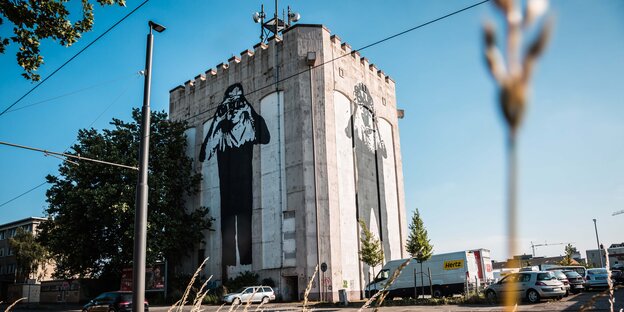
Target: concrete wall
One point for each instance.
(305, 179)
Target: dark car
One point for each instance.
(113, 301)
(563, 279)
(576, 281)
(617, 276)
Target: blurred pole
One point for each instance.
(140, 216)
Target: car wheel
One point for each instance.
(112, 310)
(265, 300)
(437, 293)
(533, 296)
(491, 297)
(236, 301)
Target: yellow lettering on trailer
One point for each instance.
(453, 264)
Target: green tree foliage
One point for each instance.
(370, 252)
(34, 21)
(418, 244)
(569, 255)
(29, 254)
(90, 230)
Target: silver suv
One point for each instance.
(262, 294)
(530, 285)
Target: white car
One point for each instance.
(262, 294)
(595, 278)
(530, 285)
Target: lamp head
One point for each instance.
(257, 17)
(157, 27)
(294, 17)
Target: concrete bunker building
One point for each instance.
(296, 140)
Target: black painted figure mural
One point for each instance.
(369, 153)
(235, 128)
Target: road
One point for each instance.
(571, 303)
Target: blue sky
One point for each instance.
(452, 138)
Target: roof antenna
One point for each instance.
(274, 26)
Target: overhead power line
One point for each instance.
(68, 93)
(73, 57)
(78, 157)
(358, 50)
(20, 195)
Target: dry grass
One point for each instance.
(512, 76)
(307, 291)
(179, 305)
(13, 304)
(384, 292)
(609, 292)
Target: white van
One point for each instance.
(451, 273)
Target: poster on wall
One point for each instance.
(154, 278)
(234, 129)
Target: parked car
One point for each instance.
(595, 278)
(113, 301)
(533, 286)
(617, 276)
(576, 281)
(577, 268)
(563, 279)
(262, 294)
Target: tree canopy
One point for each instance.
(34, 21)
(90, 229)
(418, 243)
(570, 251)
(29, 254)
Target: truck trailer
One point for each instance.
(451, 273)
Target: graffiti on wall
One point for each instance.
(369, 152)
(234, 129)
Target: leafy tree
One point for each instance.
(90, 230)
(570, 251)
(29, 254)
(370, 252)
(418, 243)
(33, 21)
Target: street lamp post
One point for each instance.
(598, 243)
(140, 216)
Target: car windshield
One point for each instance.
(597, 271)
(559, 274)
(545, 276)
(126, 297)
(572, 274)
(241, 290)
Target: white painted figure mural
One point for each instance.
(232, 132)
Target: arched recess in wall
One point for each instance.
(277, 243)
(210, 197)
(346, 190)
(390, 194)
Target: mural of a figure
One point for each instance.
(235, 128)
(369, 147)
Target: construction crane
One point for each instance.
(617, 213)
(545, 244)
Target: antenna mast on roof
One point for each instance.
(275, 26)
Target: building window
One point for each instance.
(10, 268)
(12, 232)
(383, 101)
(9, 251)
(1, 252)
(2, 233)
(341, 72)
(27, 228)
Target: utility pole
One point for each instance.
(598, 243)
(140, 215)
